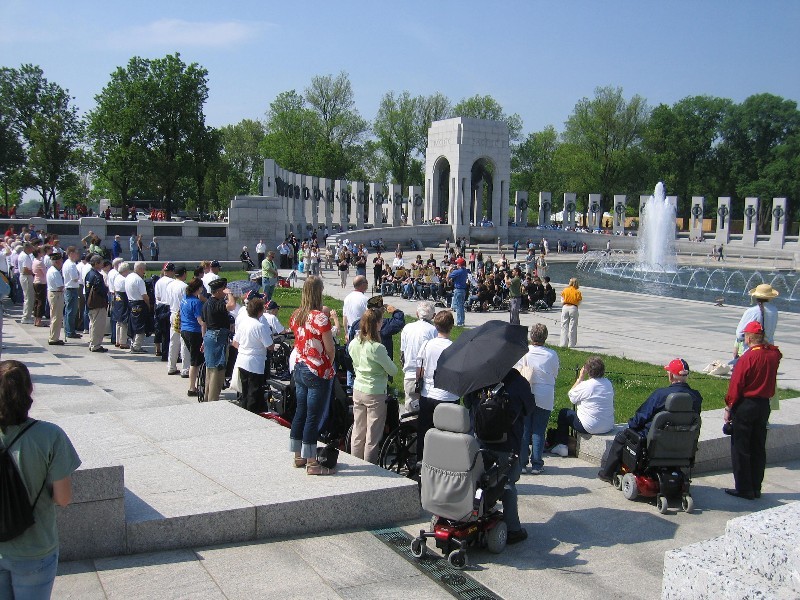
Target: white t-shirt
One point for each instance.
(72, 278)
(397, 262)
(25, 262)
(253, 337)
(594, 403)
(261, 248)
(355, 304)
(413, 336)
(428, 359)
(119, 283)
(111, 278)
(83, 269)
(176, 290)
(544, 363)
(274, 323)
(134, 287)
(55, 282)
(161, 289)
(208, 278)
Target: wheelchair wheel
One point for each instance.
(617, 481)
(662, 504)
(687, 504)
(201, 383)
(497, 537)
(457, 559)
(399, 451)
(418, 547)
(348, 439)
(629, 488)
(280, 359)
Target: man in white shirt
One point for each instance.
(271, 318)
(173, 295)
(413, 337)
(139, 302)
(261, 251)
(355, 303)
(110, 279)
(212, 274)
(120, 298)
(162, 310)
(55, 295)
(593, 397)
(540, 367)
(25, 265)
(72, 285)
(83, 312)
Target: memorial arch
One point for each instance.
(467, 176)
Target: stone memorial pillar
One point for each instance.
(416, 205)
(777, 232)
(595, 212)
(723, 221)
(642, 210)
(545, 204)
(376, 204)
(570, 206)
(299, 221)
(521, 209)
(341, 195)
(315, 197)
(325, 203)
(750, 229)
(696, 218)
(395, 198)
(620, 202)
(271, 173)
(359, 200)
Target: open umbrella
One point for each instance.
(480, 357)
(240, 288)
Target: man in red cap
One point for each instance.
(678, 374)
(752, 384)
(459, 275)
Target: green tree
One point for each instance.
(681, 145)
(12, 161)
(241, 149)
(397, 127)
(48, 126)
(602, 137)
(486, 107)
(435, 107)
(293, 132)
(204, 147)
(534, 167)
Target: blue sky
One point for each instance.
(536, 58)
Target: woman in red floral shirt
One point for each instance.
(313, 341)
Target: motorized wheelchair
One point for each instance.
(653, 466)
(459, 489)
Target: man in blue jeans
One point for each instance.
(459, 275)
(72, 284)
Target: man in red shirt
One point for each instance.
(752, 384)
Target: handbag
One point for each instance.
(328, 455)
(96, 299)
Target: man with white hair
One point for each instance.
(413, 337)
(25, 265)
(119, 309)
(96, 293)
(174, 293)
(110, 279)
(139, 302)
(355, 303)
(72, 285)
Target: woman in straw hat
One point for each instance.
(764, 312)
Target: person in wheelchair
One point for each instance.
(678, 374)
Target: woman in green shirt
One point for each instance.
(269, 275)
(45, 459)
(372, 366)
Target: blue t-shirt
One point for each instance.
(191, 308)
(459, 277)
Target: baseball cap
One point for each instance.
(215, 263)
(753, 327)
(460, 261)
(180, 271)
(218, 284)
(272, 305)
(168, 266)
(252, 295)
(678, 366)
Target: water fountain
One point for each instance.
(657, 233)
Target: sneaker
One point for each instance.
(25, 321)
(99, 349)
(515, 537)
(138, 351)
(601, 475)
(173, 372)
(75, 336)
(560, 450)
(533, 471)
(185, 375)
(57, 343)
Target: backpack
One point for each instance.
(16, 511)
(493, 418)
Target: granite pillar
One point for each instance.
(416, 205)
(723, 235)
(570, 206)
(595, 211)
(620, 201)
(750, 229)
(696, 218)
(359, 202)
(545, 205)
(395, 198)
(777, 232)
(376, 204)
(521, 209)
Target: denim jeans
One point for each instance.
(533, 434)
(215, 343)
(459, 295)
(567, 418)
(312, 395)
(28, 579)
(269, 284)
(70, 310)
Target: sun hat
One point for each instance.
(764, 292)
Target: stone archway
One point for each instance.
(440, 193)
(481, 190)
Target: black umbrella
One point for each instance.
(480, 357)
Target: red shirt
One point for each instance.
(755, 374)
(308, 343)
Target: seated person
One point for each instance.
(520, 403)
(593, 397)
(549, 293)
(677, 373)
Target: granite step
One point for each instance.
(702, 571)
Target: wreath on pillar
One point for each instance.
(570, 207)
(522, 205)
(546, 206)
(317, 194)
(418, 200)
(306, 193)
(361, 196)
(398, 199)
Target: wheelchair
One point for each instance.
(459, 489)
(652, 467)
(399, 449)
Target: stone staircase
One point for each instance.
(758, 557)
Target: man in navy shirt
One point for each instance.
(460, 284)
(678, 372)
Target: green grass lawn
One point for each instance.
(633, 380)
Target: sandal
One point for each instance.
(299, 462)
(315, 468)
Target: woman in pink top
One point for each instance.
(39, 286)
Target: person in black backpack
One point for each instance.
(517, 401)
(37, 458)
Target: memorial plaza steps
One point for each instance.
(757, 557)
(162, 472)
